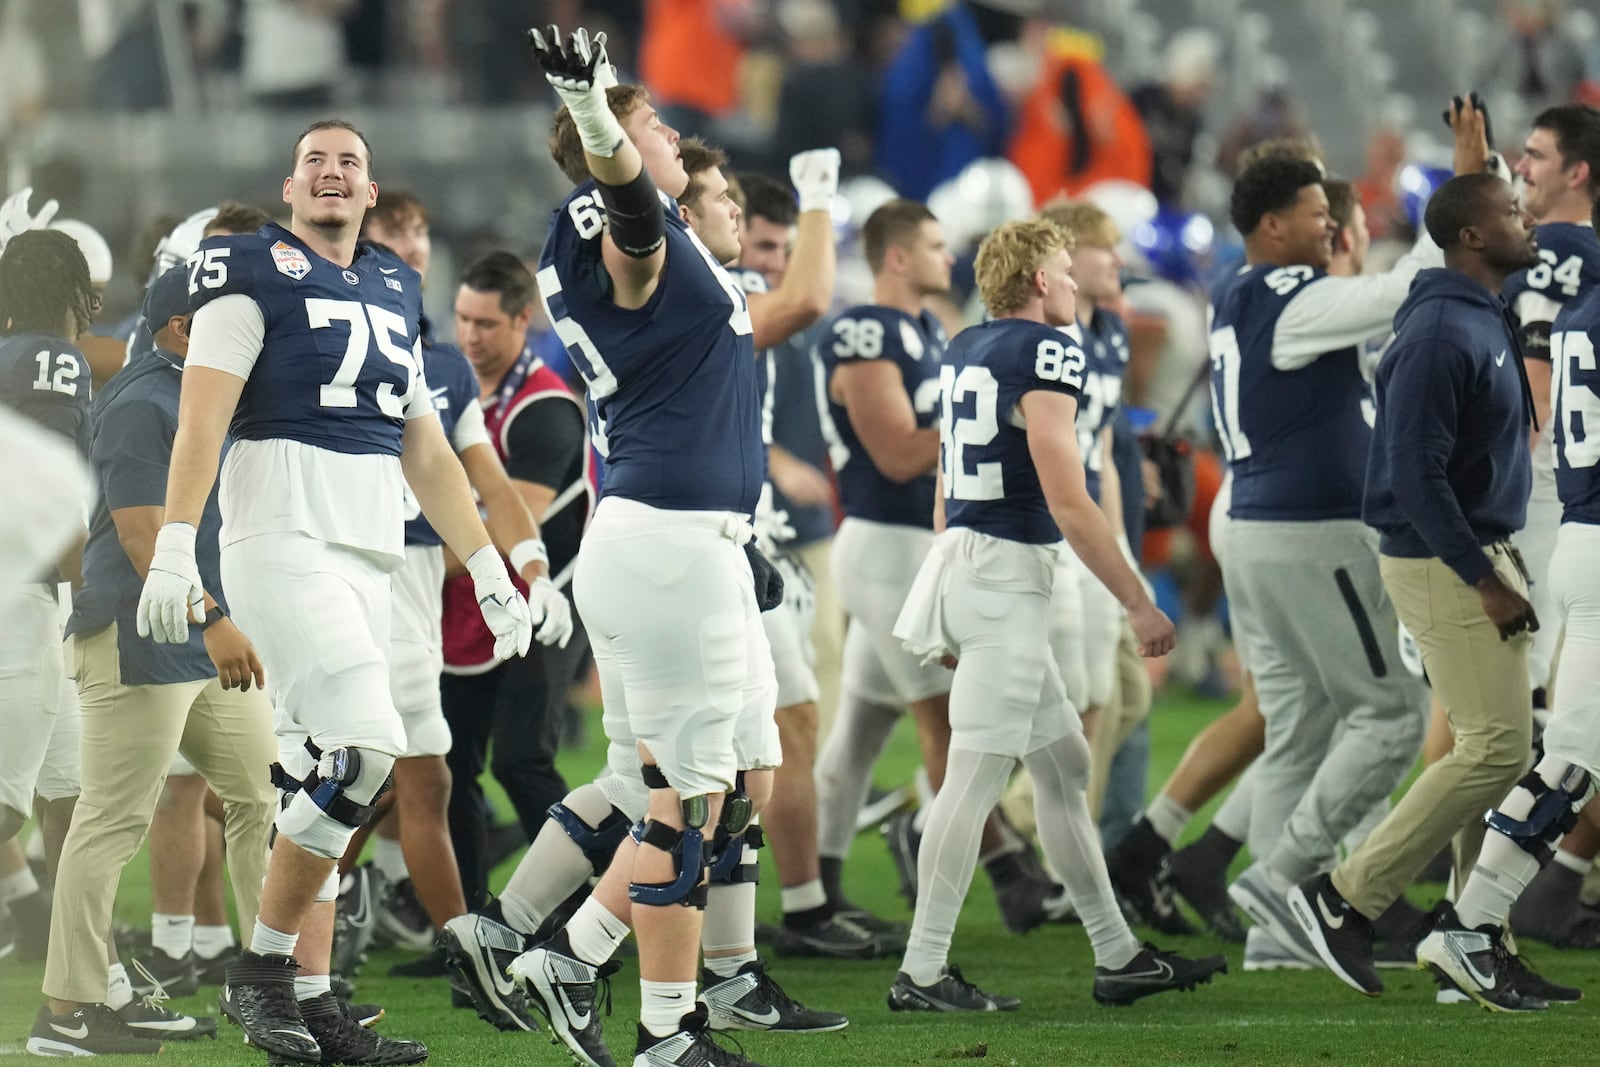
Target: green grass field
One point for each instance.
(1239, 1019)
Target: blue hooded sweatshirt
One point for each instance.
(1448, 471)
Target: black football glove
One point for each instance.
(578, 67)
(768, 582)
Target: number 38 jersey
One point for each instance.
(1575, 416)
(674, 406)
(990, 483)
(1296, 440)
(915, 346)
(329, 355)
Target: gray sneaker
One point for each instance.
(1268, 908)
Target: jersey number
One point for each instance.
(1577, 406)
(986, 482)
(1225, 361)
(1569, 273)
(384, 327)
(861, 338)
(65, 378)
(1056, 362)
(208, 267)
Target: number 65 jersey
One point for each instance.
(990, 482)
(329, 355)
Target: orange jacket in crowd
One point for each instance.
(1077, 127)
(689, 56)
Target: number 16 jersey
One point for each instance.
(329, 356)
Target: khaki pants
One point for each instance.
(827, 632)
(130, 734)
(1129, 706)
(1482, 682)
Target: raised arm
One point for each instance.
(807, 286)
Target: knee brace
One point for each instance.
(337, 797)
(727, 856)
(727, 844)
(599, 843)
(328, 891)
(1554, 812)
(687, 849)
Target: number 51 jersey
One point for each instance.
(990, 482)
(319, 424)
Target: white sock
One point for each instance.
(844, 769)
(803, 897)
(554, 866)
(728, 966)
(1505, 868)
(266, 941)
(1168, 818)
(119, 991)
(595, 933)
(390, 859)
(972, 786)
(311, 986)
(1574, 862)
(18, 884)
(172, 934)
(1060, 773)
(212, 941)
(662, 1005)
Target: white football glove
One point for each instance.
(815, 174)
(15, 219)
(550, 612)
(580, 73)
(504, 610)
(172, 594)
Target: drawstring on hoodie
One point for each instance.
(1515, 331)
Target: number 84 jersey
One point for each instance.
(327, 394)
(990, 482)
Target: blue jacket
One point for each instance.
(1448, 471)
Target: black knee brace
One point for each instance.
(1554, 812)
(687, 849)
(599, 843)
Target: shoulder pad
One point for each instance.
(245, 263)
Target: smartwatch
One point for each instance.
(215, 614)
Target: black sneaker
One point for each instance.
(1203, 885)
(893, 931)
(363, 1015)
(92, 1031)
(1154, 971)
(433, 965)
(901, 835)
(1026, 899)
(568, 992)
(751, 1000)
(480, 949)
(1341, 935)
(343, 1040)
(690, 1046)
(212, 971)
(950, 993)
(402, 921)
(147, 1015)
(830, 936)
(1476, 960)
(175, 976)
(1135, 870)
(258, 997)
(1532, 984)
(881, 803)
(355, 918)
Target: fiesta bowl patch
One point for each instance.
(290, 260)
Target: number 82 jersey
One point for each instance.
(990, 482)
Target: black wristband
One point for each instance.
(635, 216)
(216, 614)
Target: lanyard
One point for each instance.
(514, 380)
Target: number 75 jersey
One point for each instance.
(990, 482)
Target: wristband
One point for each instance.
(526, 552)
(486, 565)
(598, 128)
(176, 537)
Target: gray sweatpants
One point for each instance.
(1345, 720)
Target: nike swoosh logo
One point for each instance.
(362, 913)
(766, 1018)
(78, 1034)
(1484, 981)
(1334, 922)
(1162, 971)
(387, 270)
(1500, 359)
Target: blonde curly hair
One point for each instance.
(1010, 256)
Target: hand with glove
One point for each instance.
(768, 582)
(550, 613)
(815, 174)
(580, 72)
(15, 218)
(504, 611)
(172, 596)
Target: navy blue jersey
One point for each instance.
(1575, 418)
(766, 360)
(990, 483)
(47, 379)
(1296, 440)
(1569, 266)
(673, 398)
(916, 346)
(451, 386)
(338, 361)
(1105, 344)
